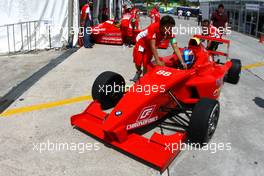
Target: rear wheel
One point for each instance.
(203, 121)
(233, 74)
(108, 89)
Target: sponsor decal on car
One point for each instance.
(144, 117)
(111, 39)
(141, 123)
(113, 34)
(146, 112)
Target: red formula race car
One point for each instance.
(110, 33)
(193, 92)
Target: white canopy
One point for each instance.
(30, 24)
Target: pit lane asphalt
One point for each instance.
(241, 120)
(21, 87)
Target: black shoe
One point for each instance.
(136, 77)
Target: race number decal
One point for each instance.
(163, 73)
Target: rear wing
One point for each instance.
(220, 40)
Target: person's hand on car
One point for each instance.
(160, 63)
(184, 66)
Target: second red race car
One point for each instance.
(109, 32)
(193, 92)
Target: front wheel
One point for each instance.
(203, 121)
(108, 89)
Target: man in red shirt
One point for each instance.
(148, 41)
(86, 22)
(129, 23)
(135, 18)
(134, 10)
(219, 18)
(125, 26)
(154, 14)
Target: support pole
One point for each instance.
(8, 41)
(21, 31)
(14, 38)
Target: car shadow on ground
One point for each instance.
(259, 101)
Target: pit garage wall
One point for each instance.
(54, 17)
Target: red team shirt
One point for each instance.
(142, 51)
(125, 19)
(126, 27)
(126, 24)
(86, 10)
(219, 20)
(134, 12)
(155, 15)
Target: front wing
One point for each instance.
(155, 151)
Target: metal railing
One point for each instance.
(28, 35)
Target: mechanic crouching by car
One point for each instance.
(147, 42)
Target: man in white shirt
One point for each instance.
(188, 14)
(180, 13)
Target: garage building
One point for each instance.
(245, 16)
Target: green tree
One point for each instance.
(165, 2)
(183, 2)
(148, 2)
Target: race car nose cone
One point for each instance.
(118, 113)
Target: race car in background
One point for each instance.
(110, 33)
(193, 92)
